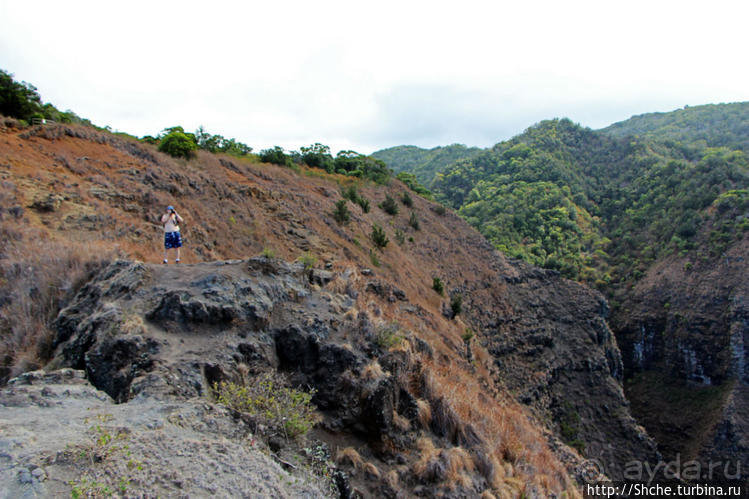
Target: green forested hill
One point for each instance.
(424, 163)
(712, 125)
(596, 206)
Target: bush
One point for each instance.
(440, 210)
(364, 203)
(388, 336)
(389, 206)
(341, 213)
(400, 237)
(282, 409)
(468, 335)
(352, 195)
(438, 286)
(178, 145)
(407, 200)
(378, 236)
(457, 304)
(275, 155)
(308, 260)
(414, 221)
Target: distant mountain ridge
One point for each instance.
(715, 125)
(712, 125)
(425, 163)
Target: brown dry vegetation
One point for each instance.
(86, 196)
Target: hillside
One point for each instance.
(473, 391)
(425, 163)
(658, 223)
(711, 125)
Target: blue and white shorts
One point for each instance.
(172, 240)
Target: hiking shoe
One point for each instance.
(165, 261)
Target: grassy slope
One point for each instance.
(73, 187)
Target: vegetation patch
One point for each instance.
(267, 399)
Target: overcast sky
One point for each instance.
(369, 75)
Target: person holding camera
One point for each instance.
(172, 238)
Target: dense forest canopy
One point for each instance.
(598, 206)
(714, 125)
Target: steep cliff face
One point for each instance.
(167, 332)
(685, 327)
(555, 351)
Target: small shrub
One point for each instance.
(388, 336)
(283, 409)
(468, 335)
(440, 210)
(268, 253)
(341, 213)
(389, 205)
(308, 260)
(438, 286)
(378, 236)
(407, 200)
(456, 304)
(414, 221)
(350, 193)
(400, 237)
(373, 258)
(364, 203)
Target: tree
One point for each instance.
(178, 144)
(318, 156)
(18, 100)
(275, 155)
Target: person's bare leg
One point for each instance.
(177, 255)
(166, 255)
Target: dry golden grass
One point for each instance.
(38, 274)
(502, 432)
(351, 457)
(392, 480)
(373, 371)
(371, 471)
(459, 466)
(424, 413)
(400, 422)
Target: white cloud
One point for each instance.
(372, 75)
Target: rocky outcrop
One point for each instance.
(62, 434)
(165, 333)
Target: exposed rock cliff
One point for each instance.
(685, 329)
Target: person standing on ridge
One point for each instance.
(172, 237)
